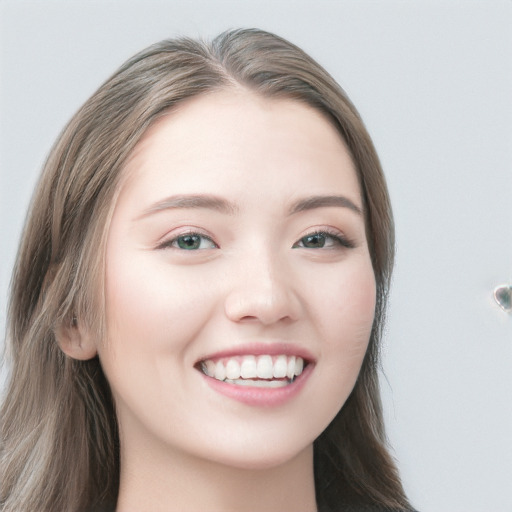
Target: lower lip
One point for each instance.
(261, 397)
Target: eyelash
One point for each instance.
(339, 241)
(174, 241)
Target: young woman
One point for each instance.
(199, 295)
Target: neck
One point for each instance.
(175, 482)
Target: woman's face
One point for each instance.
(237, 250)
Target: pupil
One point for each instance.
(314, 241)
(189, 242)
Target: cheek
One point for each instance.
(358, 310)
(346, 312)
(344, 309)
(153, 313)
(348, 306)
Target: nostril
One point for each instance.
(248, 318)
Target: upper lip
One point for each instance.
(257, 349)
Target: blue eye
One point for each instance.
(322, 240)
(192, 242)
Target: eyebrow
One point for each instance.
(219, 204)
(310, 203)
(191, 201)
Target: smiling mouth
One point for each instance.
(257, 371)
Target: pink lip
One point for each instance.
(259, 349)
(261, 397)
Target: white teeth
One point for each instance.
(299, 365)
(290, 370)
(233, 369)
(209, 368)
(248, 369)
(258, 371)
(280, 367)
(264, 368)
(220, 371)
(259, 383)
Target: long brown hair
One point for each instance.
(59, 440)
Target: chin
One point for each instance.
(259, 455)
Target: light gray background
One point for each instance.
(433, 82)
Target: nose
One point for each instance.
(262, 291)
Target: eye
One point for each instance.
(191, 242)
(323, 240)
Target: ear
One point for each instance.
(76, 341)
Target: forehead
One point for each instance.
(237, 138)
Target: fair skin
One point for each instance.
(238, 235)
